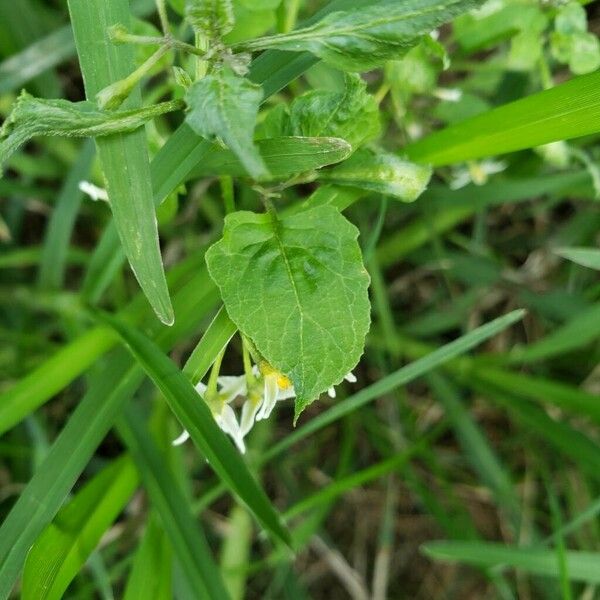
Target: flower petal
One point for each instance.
(270, 397)
(249, 410)
(184, 437)
(331, 392)
(350, 377)
(228, 423)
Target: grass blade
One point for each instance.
(196, 417)
(400, 377)
(566, 111)
(183, 530)
(87, 426)
(150, 575)
(586, 257)
(124, 157)
(58, 233)
(63, 547)
(582, 566)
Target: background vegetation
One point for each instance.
(463, 462)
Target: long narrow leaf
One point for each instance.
(124, 157)
(196, 417)
(563, 112)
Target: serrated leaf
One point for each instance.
(213, 18)
(364, 37)
(297, 287)
(352, 115)
(383, 173)
(33, 117)
(283, 156)
(225, 105)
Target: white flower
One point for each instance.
(267, 387)
(476, 172)
(448, 94)
(229, 389)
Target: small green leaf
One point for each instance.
(364, 37)
(226, 105)
(32, 117)
(352, 115)
(284, 157)
(383, 173)
(296, 286)
(213, 18)
(63, 547)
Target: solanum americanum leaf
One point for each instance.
(364, 37)
(225, 105)
(352, 114)
(296, 286)
(213, 18)
(383, 173)
(284, 157)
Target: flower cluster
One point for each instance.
(260, 390)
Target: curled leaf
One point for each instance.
(32, 117)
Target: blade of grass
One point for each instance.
(168, 500)
(58, 231)
(150, 575)
(582, 566)
(566, 111)
(581, 330)
(196, 418)
(343, 484)
(63, 547)
(64, 366)
(124, 157)
(87, 426)
(586, 257)
(476, 448)
(400, 377)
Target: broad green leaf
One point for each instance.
(283, 156)
(363, 38)
(212, 18)
(225, 105)
(124, 156)
(195, 416)
(566, 111)
(582, 566)
(382, 173)
(586, 257)
(352, 115)
(296, 286)
(63, 547)
(32, 117)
